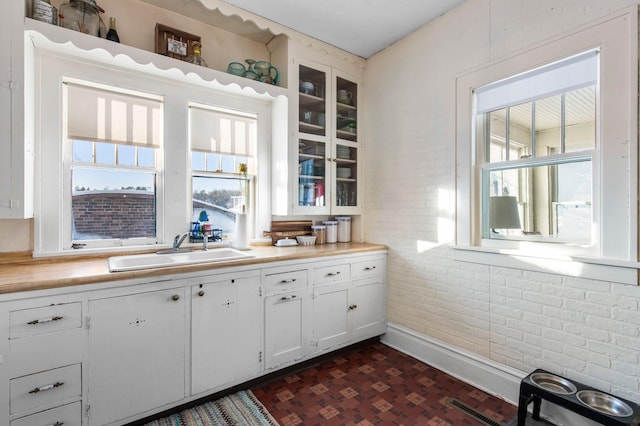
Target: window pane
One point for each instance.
(83, 151)
(213, 162)
(496, 134)
(548, 126)
(105, 153)
(126, 155)
(580, 106)
(197, 161)
(520, 130)
(553, 202)
(146, 157)
(228, 164)
(112, 204)
(220, 198)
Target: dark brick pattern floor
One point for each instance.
(376, 385)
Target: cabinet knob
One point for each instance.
(175, 297)
(201, 293)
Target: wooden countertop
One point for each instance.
(20, 272)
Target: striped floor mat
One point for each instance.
(239, 409)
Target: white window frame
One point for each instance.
(615, 161)
(173, 162)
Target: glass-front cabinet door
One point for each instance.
(346, 139)
(314, 143)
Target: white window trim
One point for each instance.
(174, 176)
(617, 188)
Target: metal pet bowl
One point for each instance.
(604, 403)
(552, 383)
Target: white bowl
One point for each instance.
(306, 240)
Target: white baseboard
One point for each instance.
(491, 377)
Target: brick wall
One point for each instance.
(585, 329)
(115, 214)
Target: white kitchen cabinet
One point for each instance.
(137, 346)
(42, 348)
(348, 302)
(327, 152)
(226, 332)
(127, 350)
(287, 316)
(368, 307)
(369, 302)
(16, 150)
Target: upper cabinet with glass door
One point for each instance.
(327, 160)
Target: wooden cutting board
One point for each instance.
(291, 225)
(288, 229)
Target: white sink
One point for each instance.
(155, 260)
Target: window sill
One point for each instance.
(610, 270)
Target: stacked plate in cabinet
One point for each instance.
(343, 172)
(343, 152)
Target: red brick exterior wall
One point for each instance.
(114, 214)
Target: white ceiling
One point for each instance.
(362, 27)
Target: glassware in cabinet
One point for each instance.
(346, 176)
(346, 100)
(312, 173)
(312, 101)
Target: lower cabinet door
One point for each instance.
(369, 307)
(137, 354)
(287, 328)
(67, 415)
(226, 332)
(331, 312)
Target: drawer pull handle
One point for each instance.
(288, 297)
(369, 268)
(333, 274)
(56, 424)
(44, 320)
(290, 280)
(47, 387)
(352, 307)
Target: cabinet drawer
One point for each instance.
(368, 268)
(45, 352)
(67, 415)
(46, 319)
(332, 274)
(45, 388)
(285, 281)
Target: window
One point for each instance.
(113, 137)
(536, 139)
(546, 153)
(223, 164)
(125, 132)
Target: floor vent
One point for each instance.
(452, 402)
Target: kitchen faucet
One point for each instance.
(178, 240)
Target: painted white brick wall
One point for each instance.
(588, 330)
